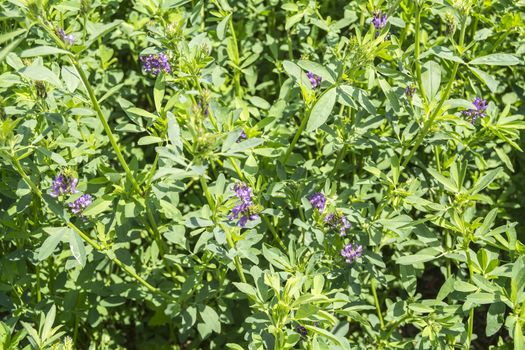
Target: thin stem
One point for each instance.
(274, 232)
(231, 244)
(26, 178)
(236, 73)
(442, 100)
(154, 227)
(340, 157)
(236, 260)
(89, 240)
(376, 301)
(417, 52)
(207, 194)
(298, 133)
(471, 313)
(105, 124)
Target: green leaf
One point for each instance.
(221, 27)
(495, 318)
(176, 235)
(48, 324)
(393, 100)
(431, 78)
(10, 47)
(487, 223)
(174, 132)
(445, 53)
(324, 333)
(485, 180)
(76, 244)
(71, 78)
(317, 69)
(415, 259)
(486, 78)
(98, 206)
(321, 110)
(99, 31)
(449, 185)
(36, 72)
(295, 72)
(57, 158)
(276, 257)
(56, 235)
(44, 51)
(519, 338)
(246, 289)
(497, 59)
(245, 145)
(359, 95)
(158, 91)
(446, 289)
(481, 298)
(11, 35)
(148, 140)
(210, 317)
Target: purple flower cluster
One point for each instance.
(351, 252)
(81, 203)
(318, 201)
(409, 91)
(245, 209)
(379, 21)
(315, 80)
(242, 136)
(301, 330)
(478, 112)
(66, 184)
(156, 63)
(338, 222)
(68, 39)
(63, 184)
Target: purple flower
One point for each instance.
(81, 203)
(245, 209)
(243, 192)
(318, 201)
(68, 39)
(344, 225)
(331, 220)
(315, 80)
(379, 21)
(301, 330)
(409, 91)
(63, 184)
(478, 112)
(351, 253)
(242, 136)
(156, 63)
(338, 222)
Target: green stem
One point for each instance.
(376, 301)
(442, 100)
(471, 313)
(417, 52)
(274, 232)
(298, 133)
(236, 73)
(89, 240)
(340, 157)
(26, 178)
(231, 244)
(154, 227)
(236, 260)
(106, 126)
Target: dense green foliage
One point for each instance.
(182, 174)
